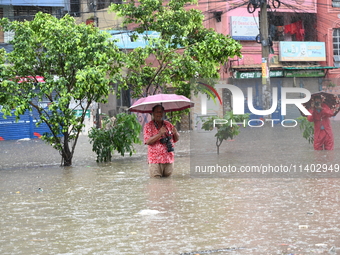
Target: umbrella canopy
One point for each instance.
(170, 102)
(332, 100)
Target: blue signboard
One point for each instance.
(125, 39)
(302, 51)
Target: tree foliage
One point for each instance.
(2, 90)
(184, 51)
(119, 134)
(226, 127)
(307, 128)
(75, 61)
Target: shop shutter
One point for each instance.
(10, 129)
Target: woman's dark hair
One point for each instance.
(153, 108)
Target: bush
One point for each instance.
(118, 134)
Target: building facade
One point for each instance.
(328, 31)
(305, 47)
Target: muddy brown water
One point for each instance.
(115, 208)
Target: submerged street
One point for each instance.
(115, 208)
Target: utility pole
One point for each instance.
(265, 45)
(98, 119)
(95, 13)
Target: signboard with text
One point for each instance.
(78, 113)
(125, 40)
(304, 73)
(302, 51)
(254, 75)
(244, 28)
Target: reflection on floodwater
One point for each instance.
(115, 208)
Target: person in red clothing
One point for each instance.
(323, 134)
(160, 135)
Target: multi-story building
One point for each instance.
(25, 10)
(84, 11)
(305, 51)
(328, 31)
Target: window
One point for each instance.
(336, 47)
(335, 3)
(280, 22)
(101, 4)
(22, 13)
(75, 8)
(276, 27)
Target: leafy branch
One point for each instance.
(307, 128)
(227, 128)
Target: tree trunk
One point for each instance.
(218, 144)
(67, 155)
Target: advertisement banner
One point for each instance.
(302, 51)
(125, 39)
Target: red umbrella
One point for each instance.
(332, 100)
(170, 102)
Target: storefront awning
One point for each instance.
(308, 67)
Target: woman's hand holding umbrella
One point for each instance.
(175, 133)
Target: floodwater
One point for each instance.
(115, 208)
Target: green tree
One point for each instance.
(119, 134)
(184, 52)
(75, 61)
(2, 62)
(226, 127)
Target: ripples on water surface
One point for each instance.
(116, 208)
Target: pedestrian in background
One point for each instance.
(323, 134)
